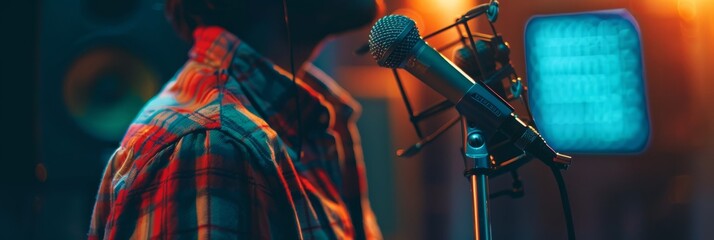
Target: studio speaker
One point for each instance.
(99, 62)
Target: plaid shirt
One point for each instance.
(212, 156)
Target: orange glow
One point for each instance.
(662, 7)
(698, 27)
(687, 10)
(440, 13)
(446, 7)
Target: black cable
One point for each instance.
(565, 202)
(524, 100)
(298, 111)
(564, 199)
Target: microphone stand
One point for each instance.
(478, 166)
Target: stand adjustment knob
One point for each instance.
(476, 140)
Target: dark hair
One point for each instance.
(187, 15)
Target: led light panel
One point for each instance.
(586, 83)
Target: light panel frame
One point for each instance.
(586, 82)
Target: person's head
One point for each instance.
(308, 18)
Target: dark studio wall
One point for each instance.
(18, 151)
(87, 68)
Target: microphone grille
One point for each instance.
(391, 40)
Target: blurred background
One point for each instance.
(75, 73)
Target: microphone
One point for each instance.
(394, 42)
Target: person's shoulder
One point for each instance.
(215, 150)
(160, 127)
(196, 100)
(211, 143)
(187, 103)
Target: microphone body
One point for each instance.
(472, 99)
(395, 43)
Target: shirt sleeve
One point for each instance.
(206, 185)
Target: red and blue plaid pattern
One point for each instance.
(211, 156)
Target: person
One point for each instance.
(232, 147)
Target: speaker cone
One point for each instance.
(105, 88)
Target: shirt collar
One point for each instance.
(268, 89)
(213, 46)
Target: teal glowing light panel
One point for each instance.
(586, 81)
